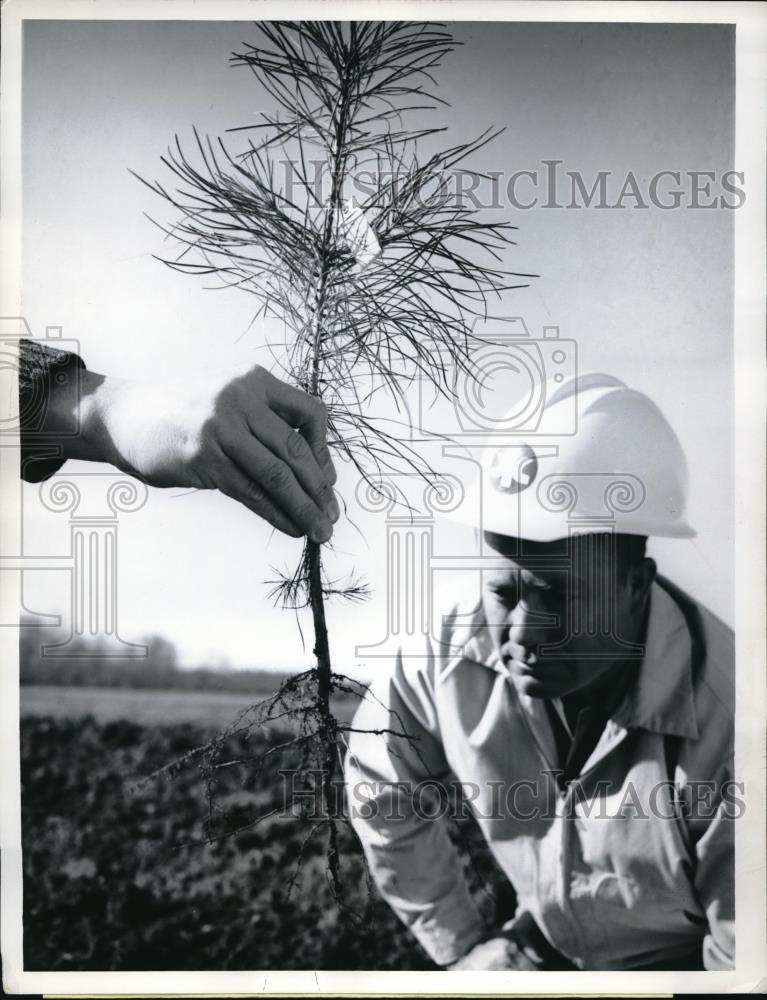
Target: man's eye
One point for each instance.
(505, 594)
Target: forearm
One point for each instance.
(414, 864)
(249, 435)
(68, 411)
(60, 411)
(77, 417)
(413, 861)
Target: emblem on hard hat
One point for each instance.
(513, 469)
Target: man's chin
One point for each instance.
(535, 688)
(538, 683)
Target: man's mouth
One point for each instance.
(528, 663)
(536, 668)
(517, 654)
(532, 665)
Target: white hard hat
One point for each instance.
(621, 468)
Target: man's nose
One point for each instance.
(527, 622)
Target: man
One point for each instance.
(585, 707)
(251, 436)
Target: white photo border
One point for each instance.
(750, 21)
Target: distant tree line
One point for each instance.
(87, 665)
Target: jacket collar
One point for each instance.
(660, 697)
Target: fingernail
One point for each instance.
(334, 511)
(322, 531)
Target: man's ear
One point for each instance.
(641, 576)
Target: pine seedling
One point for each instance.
(336, 222)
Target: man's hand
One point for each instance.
(250, 436)
(494, 954)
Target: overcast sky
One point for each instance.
(645, 293)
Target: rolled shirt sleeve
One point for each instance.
(40, 368)
(417, 868)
